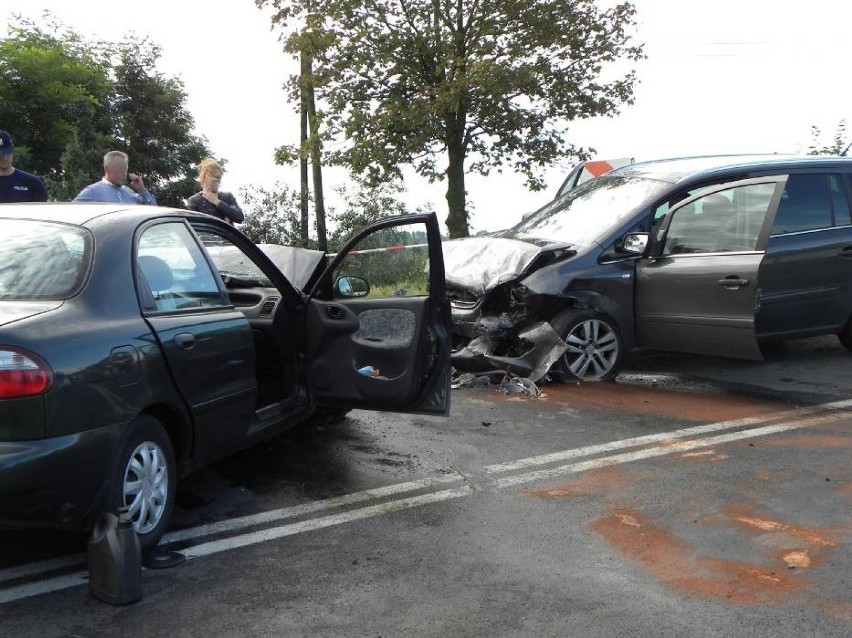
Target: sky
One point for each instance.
(727, 76)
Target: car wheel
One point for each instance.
(845, 337)
(594, 344)
(144, 480)
(330, 416)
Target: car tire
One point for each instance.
(845, 336)
(595, 346)
(330, 416)
(144, 480)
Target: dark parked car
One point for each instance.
(138, 344)
(705, 255)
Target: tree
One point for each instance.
(54, 100)
(272, 216)
(839, 146)
(362, 205)
(68, 101)
(466, 85)
(305, 41)
(152, 124)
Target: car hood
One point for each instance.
(11, 311)
(297, 264)
(482, 263)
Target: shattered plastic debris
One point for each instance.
(512, 384)
(469, 380)
(545, 348)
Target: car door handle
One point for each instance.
(335, 312)
(184, 340)
(733, 282)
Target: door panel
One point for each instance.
(806, 278)
(702, 304)
(207, 344)
(700, 291)
(387, 349)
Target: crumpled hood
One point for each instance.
(297, 264)
(11, 311)
(484, 262)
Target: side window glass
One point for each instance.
(724, 221)
(663, 209)
(234, 267)
(393, 262)
(839, 200)
(804, 205)
(174, 273)
(389, 263)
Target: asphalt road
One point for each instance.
(691, 497)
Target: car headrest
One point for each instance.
(157, 273)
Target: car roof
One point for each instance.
(675, 169)
(81, 213)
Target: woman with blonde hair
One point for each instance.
(211, 200)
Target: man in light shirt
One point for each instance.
(117, 186)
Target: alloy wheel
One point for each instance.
(593, 349)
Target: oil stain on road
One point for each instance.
(704, 404)
(783, 557)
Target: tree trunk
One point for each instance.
(456, 204)
(316, 162)
(304, 228)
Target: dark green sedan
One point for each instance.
(138, 344)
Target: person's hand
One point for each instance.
(135, 182)
(210, 196)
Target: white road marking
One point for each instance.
(660, 450)
(308, 508)
(214, 547)
(663, 436)
(43, 587)
(666, 443)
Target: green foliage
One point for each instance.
(153, 126)
(272, 216)
(67, 101)
(839, 146)
(364, 205)
(452, 86)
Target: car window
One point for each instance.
(724, 221)
(174, 271)
(805, 204)
(42, 260)
(393, 262)
(839, 200)
(233, 265)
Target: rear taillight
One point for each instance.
(23, 374)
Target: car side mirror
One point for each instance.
(635, 243)
(351, 286)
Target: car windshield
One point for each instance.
(41, 260)
(588, 210)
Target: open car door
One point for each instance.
(378, 320)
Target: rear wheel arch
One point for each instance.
(845, 335)
(143, 478)
(179, 429)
